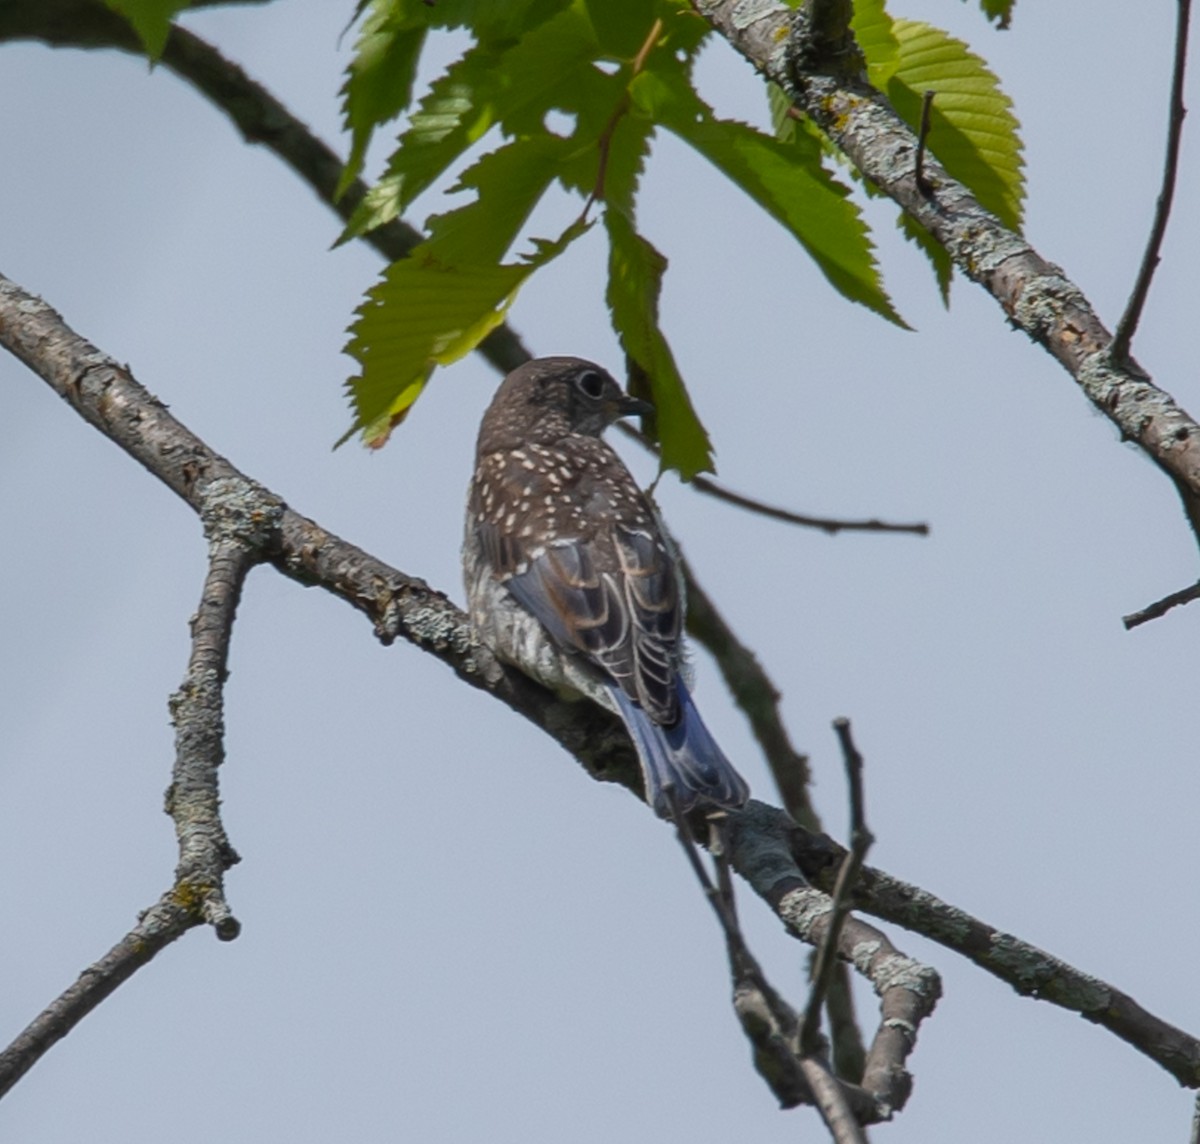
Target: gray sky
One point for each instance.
(450, 933)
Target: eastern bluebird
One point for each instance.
(570, 579)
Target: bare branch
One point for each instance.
(160, 925)
(830, 1099)
(1162, 607)
(831, 525)
(237, 518)
(846, 1040)
(1128, 324)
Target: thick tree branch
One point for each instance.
(1036, 296)
(777, 857)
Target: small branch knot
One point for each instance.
(235, 510)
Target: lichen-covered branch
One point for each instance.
(239, 519)
(1036, 296)
(762, 841)
(237, 516)
(764, 855)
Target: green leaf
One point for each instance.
(786, 180)
(621, 25)
(635, 271)
(151, 20)
(508, 183)
(487, 19)
(973, 131)
(939, 258)
(423, 313)
(872, 27)
(379, 80)
(999, 10)
(488, 85)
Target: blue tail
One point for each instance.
(684, 758)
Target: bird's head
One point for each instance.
(549, 398)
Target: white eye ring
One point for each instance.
(590, 384)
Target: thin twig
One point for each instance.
(860, 843)
(604, 142)
(718, 847)
(1161, 607)
(830, 1098)
(846, 1040)
(923, 183)
(722, 907)
(1128, 324)
(164, 922)
(830, 525)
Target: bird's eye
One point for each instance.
(590, 384)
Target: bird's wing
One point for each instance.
(610, 594)
(618, 607)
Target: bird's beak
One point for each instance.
(627, 406)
